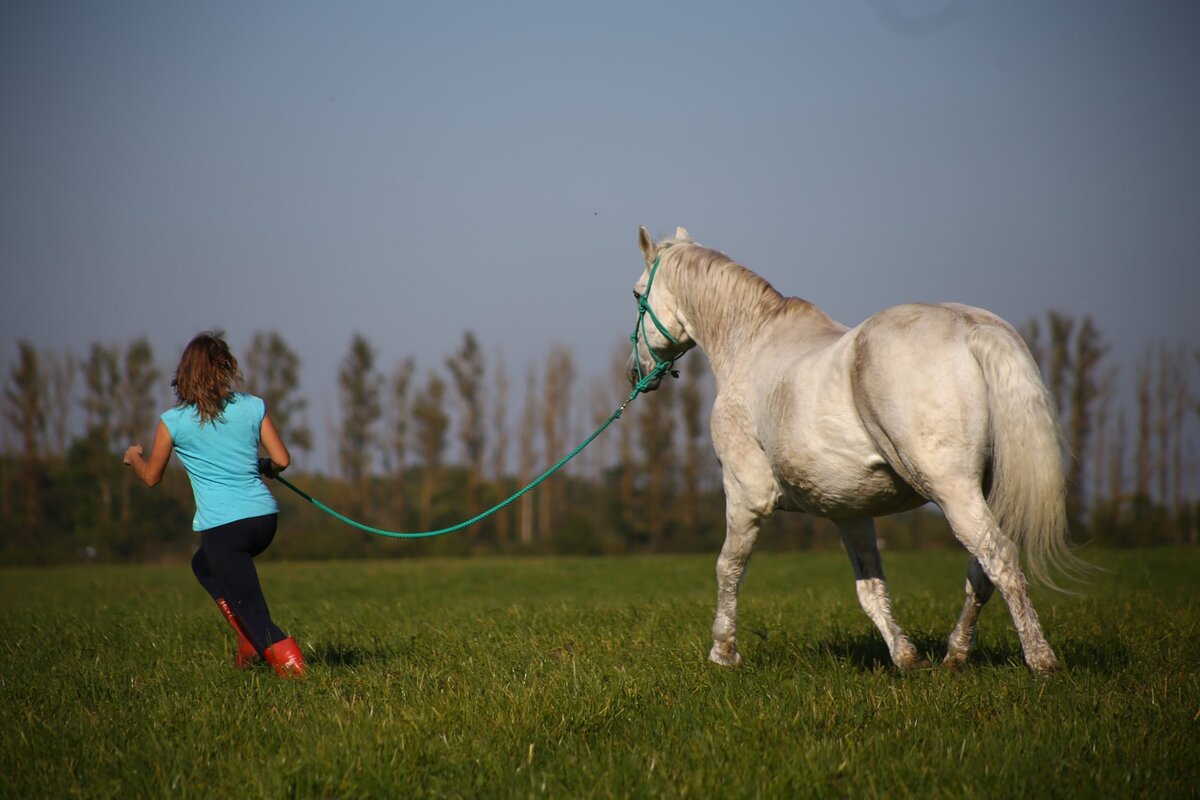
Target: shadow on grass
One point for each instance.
(338, 654)
(866, 652)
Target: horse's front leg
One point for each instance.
(858, 535)
(741, 530)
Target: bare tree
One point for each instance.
(1143, 453)
(500, 444)
(656, 434)
(273, 373)
(560, 374)
(626, 466)
(61, 370)
(1105, 394)
(6, 503)
(601, 405)
(1089, 350)
(467, 370)
(101, 379)
(1116, 461)
(432, 421)
(401, 386)
(527, 455)
(23, 411)
(1180, 400)
(135, 408)
(359, 386)
(1060, 358)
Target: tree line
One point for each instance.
(422, 448)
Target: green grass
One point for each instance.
(588, 678)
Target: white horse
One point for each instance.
(940, 403)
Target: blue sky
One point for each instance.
(408, 171)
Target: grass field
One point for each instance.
(588, 678)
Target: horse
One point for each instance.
(919, 403)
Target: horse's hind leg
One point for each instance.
(979, 590)
(973, 524)
(858, 535)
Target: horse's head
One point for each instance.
(660, 335)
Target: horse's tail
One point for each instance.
(1028, 489)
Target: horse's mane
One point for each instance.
(721, 282)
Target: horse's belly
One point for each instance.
(845, 488)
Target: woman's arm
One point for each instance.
(277, 452)
(151, 470)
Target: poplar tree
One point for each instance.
(466, 368)
(1142, 459)
(101, 381)
(1089, 350)
(61, 370)
(500, 442)
(401, 386)
(527, 455)
(626, 468)
(1060, 358)
(1116, 460)
(24, 394)
(431, 421)
(1180, 401)
(359, 385)
(1105, 394)
(656, 435)
(556, 406)
(135, 411)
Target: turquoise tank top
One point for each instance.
(221, 459)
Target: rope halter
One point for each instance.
(661, 365)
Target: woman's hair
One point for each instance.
(206, 375)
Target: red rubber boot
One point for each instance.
(285, 657)
(245, 651)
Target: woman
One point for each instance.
(217, 433)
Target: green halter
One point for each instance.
(661, 365)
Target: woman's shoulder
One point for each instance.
(249, 403)
(177, 412)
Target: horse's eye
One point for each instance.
(637, 295)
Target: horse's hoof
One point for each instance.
(1045, 669)
(954, 663)
(1043, 662)
(725, 657)
(908, 659)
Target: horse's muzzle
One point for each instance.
(634, 374)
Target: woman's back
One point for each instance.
(221, 458)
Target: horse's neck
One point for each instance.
(727, 326)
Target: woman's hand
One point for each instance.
(134, 451)
(151, 471)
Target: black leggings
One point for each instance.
(224, 565)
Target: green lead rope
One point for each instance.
(661, 367)
(484, 515)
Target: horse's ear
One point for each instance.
(649, 249)
(681, 233)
